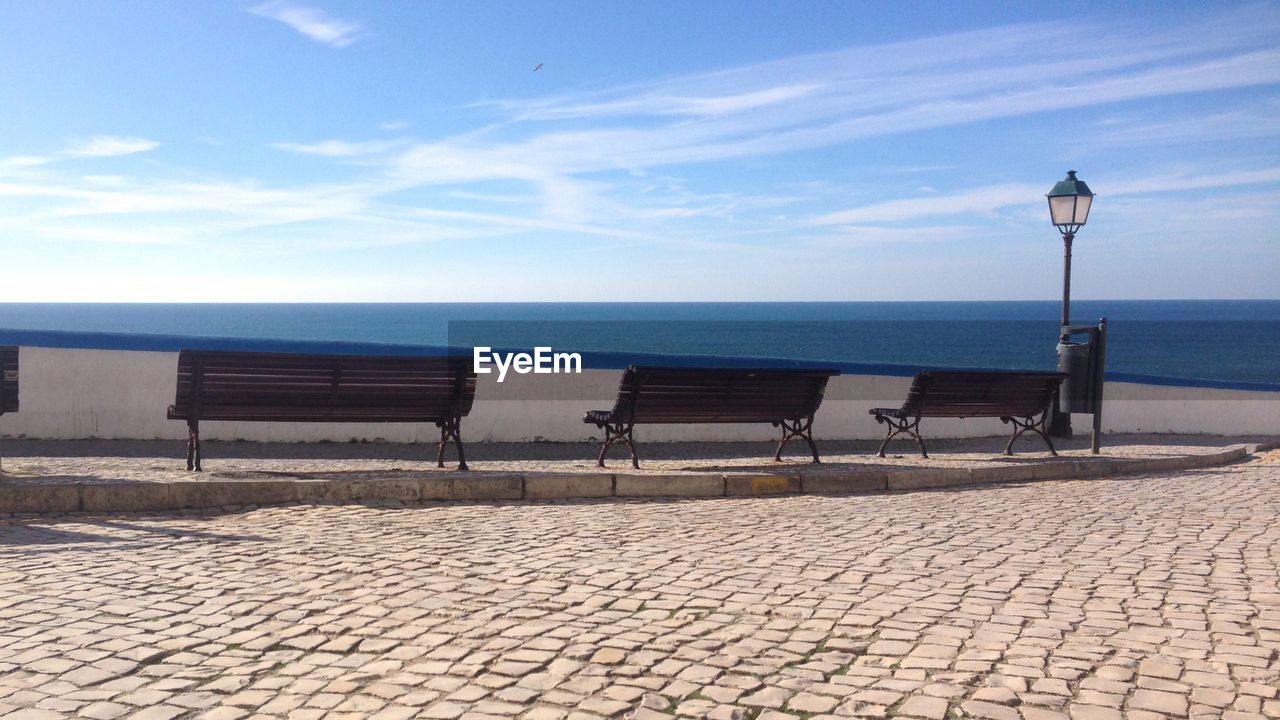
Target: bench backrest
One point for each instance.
(224, 385)
(678, 395)
(8, 379)
(981, 393)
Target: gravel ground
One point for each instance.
(27, 460)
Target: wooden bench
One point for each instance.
(288, 387)
(8, 379)
(782, 397)
(1015, 397)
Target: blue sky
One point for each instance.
(336, 151)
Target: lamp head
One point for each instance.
(1069, 203)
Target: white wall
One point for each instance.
(68, 394)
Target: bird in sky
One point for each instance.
(539, 67)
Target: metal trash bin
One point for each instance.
(1079, 390)
(1084, 364)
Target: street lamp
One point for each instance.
(1069, 203)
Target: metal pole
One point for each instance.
(1100, 347)
(1060, 422)
(1066, 281)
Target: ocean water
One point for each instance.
(1234, 340)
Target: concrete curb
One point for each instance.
(108, 497)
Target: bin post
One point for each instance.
(1059, 421)
(1099, 357)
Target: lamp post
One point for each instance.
(1069, 203)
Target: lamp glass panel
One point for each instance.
(1062, 209)
(1082, 209)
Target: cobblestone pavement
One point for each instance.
(1139, 597)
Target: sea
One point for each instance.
(1217, 340)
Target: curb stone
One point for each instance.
(857, 482)
(551, 487)
(18, 499)
(763, 484)
(684, 485)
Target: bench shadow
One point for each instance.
(49, 535)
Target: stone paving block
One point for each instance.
(222, 493)
(125, 497)
(770, 484)
(1095, 467)
(1157, 465)
(919, 479)
(543, 486)
(17, 497)
(1006, 473)
(1157, 701)
(463, 487)
(689, 485)
(831, 483)
(1217, 457)
(374, 490)
(308, 490)
(1051, 468)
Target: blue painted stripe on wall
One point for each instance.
(595, 360)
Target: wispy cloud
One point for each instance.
(342, 148)
(981, 201)
(1237, 124)
(587, 163)
(110, 146)
(22, 161)
(853, 237)
(987, 200)
(315, 24)
(846, 96)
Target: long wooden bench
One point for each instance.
(288, 387)
(1015, 397)
(782, 397)
(8, 379)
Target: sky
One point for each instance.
(451, 151)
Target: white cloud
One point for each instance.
(110, 146)
(1167, 182)
(18, 161)
(1253, 122)
(980, 200)
(315, 24)
(986, 200)
(857, 236)
(341, 148)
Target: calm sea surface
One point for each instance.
(1210, 339)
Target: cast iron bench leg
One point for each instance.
(613, 432)
(801, 429)
(451, 429)
(897, 426)
(193, 445)
(1025, 425)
